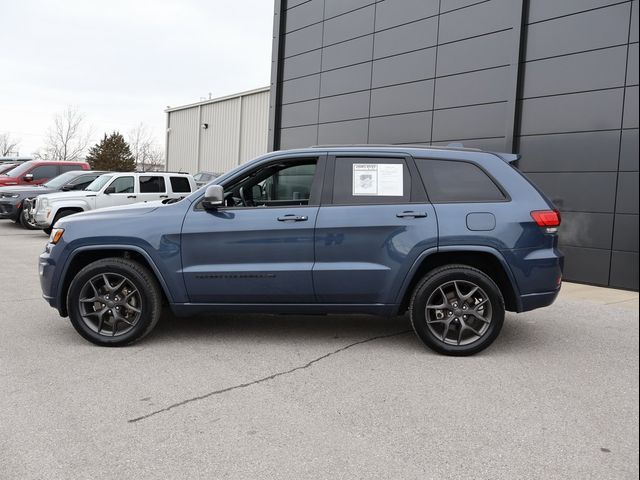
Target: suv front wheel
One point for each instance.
(457, 310)
(114, 302)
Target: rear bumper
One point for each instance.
(538, 300)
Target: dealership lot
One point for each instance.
(296, 397)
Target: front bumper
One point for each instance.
(46, 271)
(9, 209)
(41, 218)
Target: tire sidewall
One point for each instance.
(445, 275)
(24, 222)
(147, 316)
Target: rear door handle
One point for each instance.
(293, 218)
(164, 196)
(408, 214)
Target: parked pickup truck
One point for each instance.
(15, 202)
(112, 190)
(35, 172)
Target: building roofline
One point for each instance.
(219, 99)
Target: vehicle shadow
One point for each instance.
(516, 336)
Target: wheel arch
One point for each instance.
(485, 259)
(83, 256)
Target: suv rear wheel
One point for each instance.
(114, 302)
(457, 310)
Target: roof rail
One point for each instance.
(451, 146)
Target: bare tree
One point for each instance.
(145, 150)
(8, 145)
(68, 138)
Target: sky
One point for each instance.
(122, 62)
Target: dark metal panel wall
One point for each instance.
(397, 71)
(557, 81)
(579, 130)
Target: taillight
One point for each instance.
(550, 219)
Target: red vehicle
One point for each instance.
(35, 172)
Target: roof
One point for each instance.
(457, 147)
(219, 99)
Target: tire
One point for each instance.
(467, 321)
(24, 221)
(114, 317)
(59, 215)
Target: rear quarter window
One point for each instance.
(180, 185)
(449, 181)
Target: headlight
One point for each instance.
(42, 202)
(56, 235)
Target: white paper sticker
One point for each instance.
(378, 179)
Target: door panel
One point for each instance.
(125, 193)
(363, 252)
(373, 224)
(249, 255)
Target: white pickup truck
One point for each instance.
(111, 190)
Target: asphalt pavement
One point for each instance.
(302, 397)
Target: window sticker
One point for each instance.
(378, 179)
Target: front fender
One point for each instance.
(169, 290)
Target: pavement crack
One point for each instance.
(265, 379)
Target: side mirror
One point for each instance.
(110, 190)
(213, 197)
(28, 177)
(66, 188)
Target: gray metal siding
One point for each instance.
(556, 81)
(237, 132)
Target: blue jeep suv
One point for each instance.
(453, 236)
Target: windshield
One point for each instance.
(19, 170)
(6, 168)
(60, 180)
(98, 183)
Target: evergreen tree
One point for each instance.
(113, 154)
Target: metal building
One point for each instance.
(556, 81)
(218, 134)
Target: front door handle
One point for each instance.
(293, 218)
(408, 214)
(131, 196)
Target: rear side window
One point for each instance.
(360, 180)
(152, 184)
(70, 168)
(453, 181)
(180, 185)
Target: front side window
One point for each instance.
(449, 181)
(371, 180)
(122, 185)
(152, 184)
(44, 172)
(274, 185)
